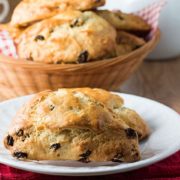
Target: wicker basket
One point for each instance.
(20, 77)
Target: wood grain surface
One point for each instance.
(158, 80)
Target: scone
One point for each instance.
(30, 11)
(69, 124)
(125, 22)
(127, 42)
(70, 37)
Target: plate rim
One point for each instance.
(93, 172)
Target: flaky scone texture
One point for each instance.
(30, 11)
(74, 124)
(70, 37)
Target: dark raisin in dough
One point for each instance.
(74, 23)
(51, 107)
(85, 156)
(20, 155)
(131, 133)
(83, 57)
(56, 146)
(20, 133)
(39, 38)
(10, 140)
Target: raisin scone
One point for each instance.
(127, 42)
(123, 21)
(70, 37)
(30, 11)
(71, 125)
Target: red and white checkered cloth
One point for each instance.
(150, 14)
(7, 46)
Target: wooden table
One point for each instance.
(158, 80)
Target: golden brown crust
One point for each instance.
(74, 124)
(124, 22)
(70, 37)
(30, 11)
(127, 42)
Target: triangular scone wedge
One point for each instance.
(70, 125)
(127, 43)
(125, 22)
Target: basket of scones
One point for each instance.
(65, 43)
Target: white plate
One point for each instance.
(163, 141)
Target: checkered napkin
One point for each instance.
(150, 14)
(7, 46)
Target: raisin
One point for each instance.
(10, 140)
(51, 107)
(56, 146)
(118, 158)
(76, 23)
(83, 57)
(20, 155)
(84, 156)
(39, 38)
(20, 133)
(131, 133)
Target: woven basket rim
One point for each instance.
(86, 66)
